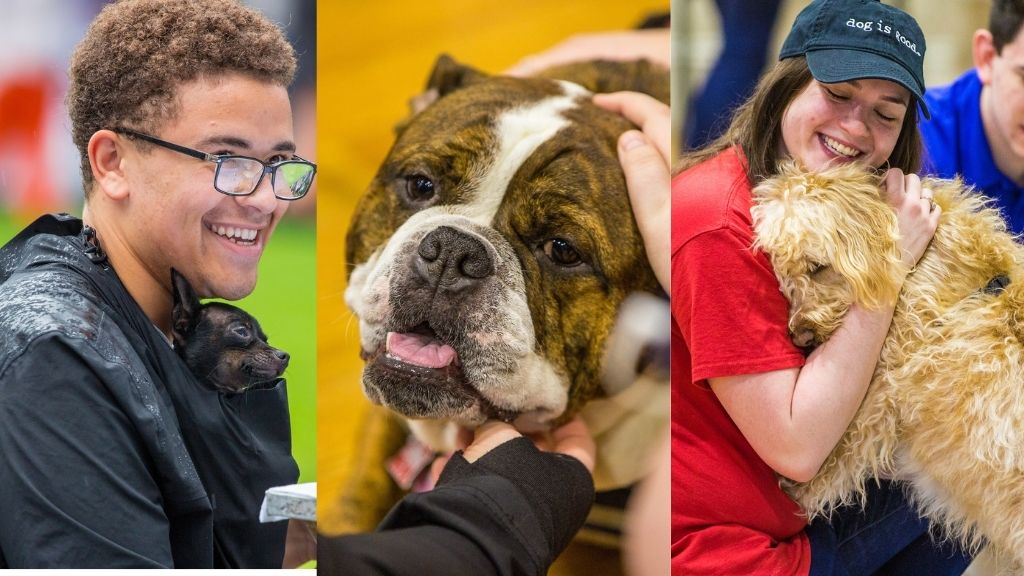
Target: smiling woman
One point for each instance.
(859, 120)
(748, 405)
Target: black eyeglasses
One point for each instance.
(240, 175)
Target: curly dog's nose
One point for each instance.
(452, 260)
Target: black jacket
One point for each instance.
(113, 454)
(511, 512)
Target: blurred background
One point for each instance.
(39, 173)
(372, 61)
(698, 42)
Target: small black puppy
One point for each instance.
(222, 345)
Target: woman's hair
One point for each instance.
(757, 125)
(135, 55)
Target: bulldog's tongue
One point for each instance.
(420, 350)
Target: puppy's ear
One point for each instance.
(186, 307)
(446, 77)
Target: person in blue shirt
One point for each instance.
(976, 128)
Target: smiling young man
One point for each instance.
(977, 124)
(114, 455)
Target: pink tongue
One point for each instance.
(420, 350)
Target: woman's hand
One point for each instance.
(916, 213)
(644, 156)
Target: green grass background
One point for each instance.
(284, 302)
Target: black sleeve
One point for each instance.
(509, 513)
(76, 490)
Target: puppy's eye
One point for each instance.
(242, 332)
(562, 252)
(419, 189)
(815, 268)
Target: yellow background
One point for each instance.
(372, 57)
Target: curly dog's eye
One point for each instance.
(815, 268)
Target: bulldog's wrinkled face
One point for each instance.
(490, 254)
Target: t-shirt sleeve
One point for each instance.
(76, 487)
(729, 308)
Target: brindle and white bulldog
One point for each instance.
(492, 250)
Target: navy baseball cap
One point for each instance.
(847, 40)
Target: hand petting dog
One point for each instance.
(644, 156)
(944, 405)
(917, 215)
(572, 439)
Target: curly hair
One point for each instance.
(136, 53)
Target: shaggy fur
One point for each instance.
(945, 407)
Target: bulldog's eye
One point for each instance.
(419, 188)
(562, 252)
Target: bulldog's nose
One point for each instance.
(452, 260)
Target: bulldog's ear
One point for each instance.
(449, 75)
(186, 308)
(446, 77)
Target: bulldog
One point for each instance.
(491, 252)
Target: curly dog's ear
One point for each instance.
(865, 252)
(834, 218)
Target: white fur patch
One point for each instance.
(520, 132)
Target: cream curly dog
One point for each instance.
(945, 407)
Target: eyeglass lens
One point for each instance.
(240, 176)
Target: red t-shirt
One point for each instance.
(729, 515)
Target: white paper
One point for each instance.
(295, 501)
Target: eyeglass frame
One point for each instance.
(218, 159)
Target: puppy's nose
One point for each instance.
(281, 355)
(452, 260)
